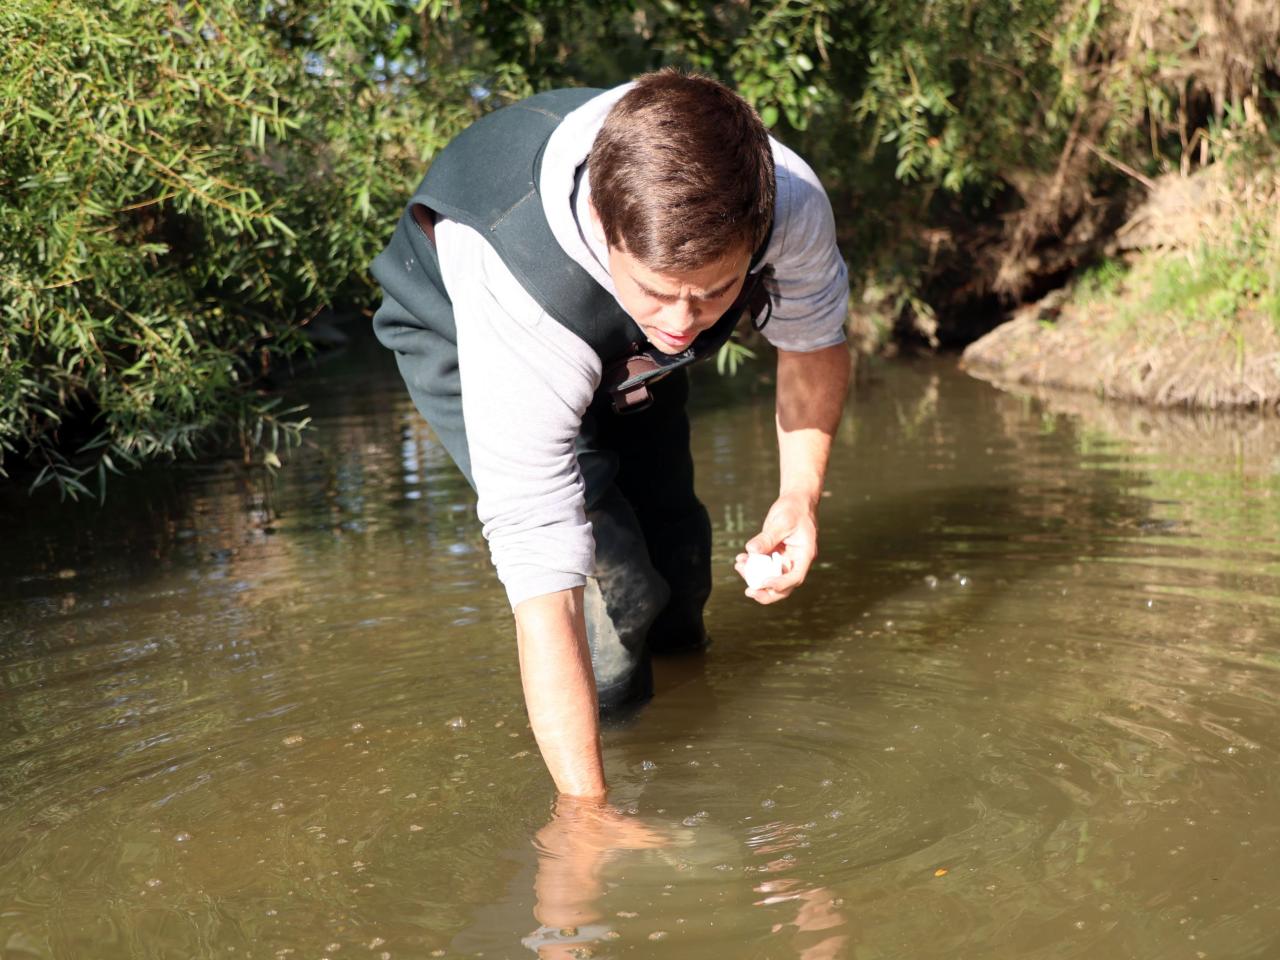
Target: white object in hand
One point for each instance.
(760, 567)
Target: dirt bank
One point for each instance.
(1156, 363)
(1183, 312)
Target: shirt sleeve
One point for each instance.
(811, 290)
(526, 383)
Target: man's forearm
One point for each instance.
(811, 394)
(560, 690)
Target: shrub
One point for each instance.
(182, 185)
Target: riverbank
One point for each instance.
(1184, 311)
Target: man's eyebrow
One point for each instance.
(723, 288)
(705, 295)
(655, 293)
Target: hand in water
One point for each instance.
(573, 848)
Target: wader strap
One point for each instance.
(627, 380)
(425, 218)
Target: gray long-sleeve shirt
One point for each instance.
(527, 381)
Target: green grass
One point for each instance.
(1101, 281)
(1212, 286)
(1211, 289)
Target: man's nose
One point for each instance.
(683, 314)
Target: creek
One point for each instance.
(1027, 705)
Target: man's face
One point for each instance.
(673, 308)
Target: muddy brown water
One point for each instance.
(1027, 706)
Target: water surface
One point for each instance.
(1028, 704)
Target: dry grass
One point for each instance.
(1150, 70)
(1191, 319)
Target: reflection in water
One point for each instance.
(1025, 706)
(582, 839)
(573, 849)
(817, 912)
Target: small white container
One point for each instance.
(761, 567)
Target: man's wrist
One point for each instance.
(808, 493)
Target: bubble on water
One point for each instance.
(357, 727)
(182, 837)
(768, 804)
(415, 827)
(612, 935)
(658, 935)
(278, 805)
(834, 814)
(825, 783)
(456, 723)
(648, 765)
(931, 582)
(1150, 604)
(628, 914)
(1231, 751)
(334, 947)
(292, 740)
(153, 882)
(1059, 765)
(963, 581)
(1079, 924)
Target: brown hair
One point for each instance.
(682, 172)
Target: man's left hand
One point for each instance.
(790, 529)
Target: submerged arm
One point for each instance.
(560, 690)
(526, 382)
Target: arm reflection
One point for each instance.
(817, 911)
(573, 849)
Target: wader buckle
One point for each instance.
(629, 379)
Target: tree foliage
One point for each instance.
(183, 184)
